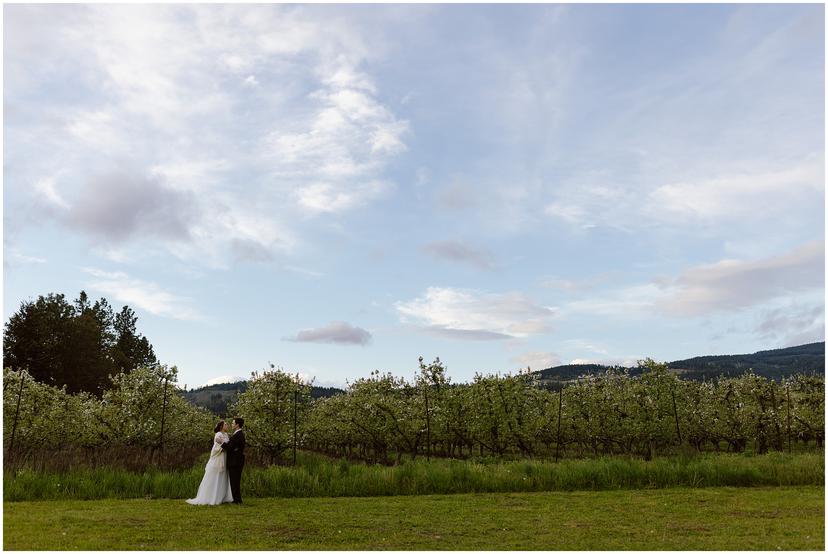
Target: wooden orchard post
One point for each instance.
(428, 427)
(675, 413)
(163, 418)
(788, 406)
(295, 401)
(558, 440)
(16, 414)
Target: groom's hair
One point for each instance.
(239, 421)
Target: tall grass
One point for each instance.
(318, 476)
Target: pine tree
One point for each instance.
(77, 344)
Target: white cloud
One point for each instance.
(331, 198)
(192, 173)
(460, 252)
(12, 257)
(337, 332)
(570, 213)
(223, 379)
(724, 286)
(629, 361)
(458, 195)
(305, 271)
(632, 301)
(792, 325)
(46, 188)
(580, 285)
(586, 345)
(97, 128)
(142, 295)
(265, 113)
(464, 313)
(537, 360)
(333, 158)
(120, 204)
(737, 194)
(736, 284)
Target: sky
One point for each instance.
(336, 189)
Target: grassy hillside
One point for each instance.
(217, 398)
(773, 364)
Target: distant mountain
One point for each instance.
(217, 398)
(774, 364)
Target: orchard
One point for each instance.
(142, 418)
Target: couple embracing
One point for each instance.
(222, 475)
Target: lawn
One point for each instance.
(721, 518)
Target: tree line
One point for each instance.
(144, 416)
(140, 419)
(76, 344)
(646, 412)
(79, 362)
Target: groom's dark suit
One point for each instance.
(235, 463)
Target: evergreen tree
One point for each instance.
(37, 336)
(77, 344)
(131, 349)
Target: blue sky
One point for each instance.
(337, 189)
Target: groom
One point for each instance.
(235, 458)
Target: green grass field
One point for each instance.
(317, 476)
(723, 518)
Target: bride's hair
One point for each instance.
(219, 425)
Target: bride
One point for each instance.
(215, 486)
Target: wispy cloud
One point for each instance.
(629, 361)
(460, 252)
(721, 287)
(538, 360)
(45, 187)
(12, 257)
(337, 332)
(224, 379)
(458, 195)
(120, 205)
(146, 296)
(738, 195)
(576, 286)
(634, 301)
(736, 284)
(180, 105)
(305, 271)
(582, 344)
(792, 325)
(445, 332)
(471, 314)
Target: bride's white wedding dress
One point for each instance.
(215, 486)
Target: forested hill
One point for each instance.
(217, 398)
(774, 364)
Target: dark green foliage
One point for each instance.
(649, 413)
(218, 398)
(807, 359)
(131, 349)
(325, 392)
(74, 344)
